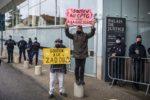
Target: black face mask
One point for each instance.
(79, 32)
(57, 45)
(139, 42)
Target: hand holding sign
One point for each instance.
(79, 17)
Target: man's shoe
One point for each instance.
(78, 82)
(51, 96)
(82, 82)
(63, 94)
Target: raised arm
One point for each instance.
(91, 34)
(68, 34)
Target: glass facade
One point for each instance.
(44, 12)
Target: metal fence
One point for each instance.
(126, 69)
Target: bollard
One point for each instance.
(16, 59)
(78, 90)
(38, 70)
(4, 54)
(26, 64)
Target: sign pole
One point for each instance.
(1, 42)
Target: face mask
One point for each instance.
(78, 32)
(139, 42)
(118, 41)
(57, 46)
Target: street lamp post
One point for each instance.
(78, 3)
(55, 12)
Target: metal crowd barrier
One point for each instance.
(129, 70)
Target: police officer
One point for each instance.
(118, 49)
(137, 52)
(35, 50)
(10, 48)
(29, 50)
(57, 71)
(22, 45)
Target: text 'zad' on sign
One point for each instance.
(79, 16)
(56, 56)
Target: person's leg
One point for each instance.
(77, 66)
(24, 54)
(37, 54)
(135, 77)
(61, 82)
(32, 55)
(142, 69)
(8, 56)
(82, 68)
(11, 55)
(20, 55)
(51, 83)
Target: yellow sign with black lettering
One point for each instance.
(56, 56)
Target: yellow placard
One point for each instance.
(56, 56)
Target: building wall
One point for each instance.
(137, 20)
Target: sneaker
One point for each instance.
(51, 96)
(82, 82)
(63, 94)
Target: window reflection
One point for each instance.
(33, 13)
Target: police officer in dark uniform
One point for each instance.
(29, 50)
(57, 71)
(137, 51)
(22, 45)
(35, 50)
(10, 48)
(118, 49)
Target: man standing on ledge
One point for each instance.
(80, 52)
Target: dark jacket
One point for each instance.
(29, 46)
(10, 44)
(58, 67)
(22, 44)
(140, 48)
(36, 46)
(119, 49)
(80, 42)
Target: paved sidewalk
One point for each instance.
(94, 89)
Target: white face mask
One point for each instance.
(118, 41)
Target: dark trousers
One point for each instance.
(10, 55)
(79, 69)
(22, 51)
(138, 72)
(29, 56)
(36, 53)
(118, 68)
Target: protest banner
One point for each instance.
(56, 56)
(79, 16)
